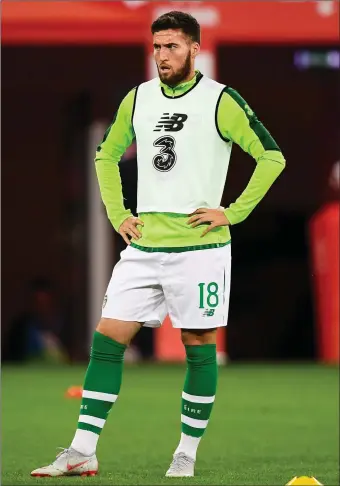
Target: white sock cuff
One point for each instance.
(188, 445)
(85, 442)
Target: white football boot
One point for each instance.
(182, 466)
(69, 463)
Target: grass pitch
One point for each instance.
(269, 424)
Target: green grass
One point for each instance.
(269, 424)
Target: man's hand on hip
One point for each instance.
(129, 228)
(215, 217)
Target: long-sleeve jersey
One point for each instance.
(236, 123)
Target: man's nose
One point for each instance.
(163, 54)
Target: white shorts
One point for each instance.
(192, 287)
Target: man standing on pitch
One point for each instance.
(178, 257)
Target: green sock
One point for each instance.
(199, 389)
(101, 387)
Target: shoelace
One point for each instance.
(180, 462)
(63, 451)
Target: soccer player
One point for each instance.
(178, 256)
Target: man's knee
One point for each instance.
(120, 331)
(197, 337)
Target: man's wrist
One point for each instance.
(117, 220)
(228, 214)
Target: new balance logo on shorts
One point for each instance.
(173, 123)
(208, 312)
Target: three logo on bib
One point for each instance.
(165, 160)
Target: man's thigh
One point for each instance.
(196, 286)
(134, 292)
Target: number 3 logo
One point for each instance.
(166, 158)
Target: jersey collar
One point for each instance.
(182, 88)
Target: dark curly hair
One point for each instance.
(178, 20)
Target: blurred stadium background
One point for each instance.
(65, 68)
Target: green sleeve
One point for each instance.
(236, 122)
(118, 137)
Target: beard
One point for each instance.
(172, 78)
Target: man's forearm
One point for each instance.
(264, 175)
(118, 137)
(238, 123)
(111, 191)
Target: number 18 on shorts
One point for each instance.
(209, 298)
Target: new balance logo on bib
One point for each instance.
(173, 123)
